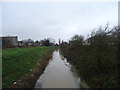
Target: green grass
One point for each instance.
(16, 62)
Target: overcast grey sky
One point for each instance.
(39, 20)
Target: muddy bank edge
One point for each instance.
(29, 80)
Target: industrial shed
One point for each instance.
(9, 41)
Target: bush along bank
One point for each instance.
(25, 69)
(96, 58)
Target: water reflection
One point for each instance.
(58, 74)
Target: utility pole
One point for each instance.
(59, 41)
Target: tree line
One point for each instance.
(97, 58)
(44, 42)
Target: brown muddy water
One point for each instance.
(58, 74)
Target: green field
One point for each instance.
(16, 62)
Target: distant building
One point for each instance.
(9, 41)
(37, 43)
(21, 44)
(27, 42)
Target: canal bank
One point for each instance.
(58, 74)
(29, 80)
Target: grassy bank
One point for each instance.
(16, 62)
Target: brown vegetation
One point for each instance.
(97, 58)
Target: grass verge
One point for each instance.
(17, 62)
